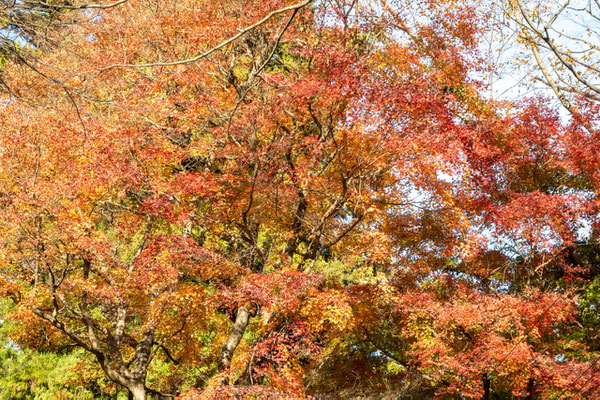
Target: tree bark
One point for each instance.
(239, 327)
(530, 388)
(486, 387)
(137, 392)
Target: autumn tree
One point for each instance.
(289, 199)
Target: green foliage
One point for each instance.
(590, 304)
(29, 374)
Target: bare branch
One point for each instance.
(294, 7)
(32, 4)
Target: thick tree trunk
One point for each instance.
(137, 392)
(239, 327)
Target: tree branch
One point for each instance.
(224, 43)
(32, 4)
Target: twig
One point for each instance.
(205, 54)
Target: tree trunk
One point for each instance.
(241, 322)
(137, 392)
(530, 388)
(486, 387)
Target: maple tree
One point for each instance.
(286, 199)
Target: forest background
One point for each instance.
(329, 199)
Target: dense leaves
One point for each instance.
(282, 200)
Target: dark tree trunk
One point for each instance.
(530, 389)
(486, 387)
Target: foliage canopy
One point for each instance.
(280, 200)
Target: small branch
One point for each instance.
(205, 54)
(70, 7)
